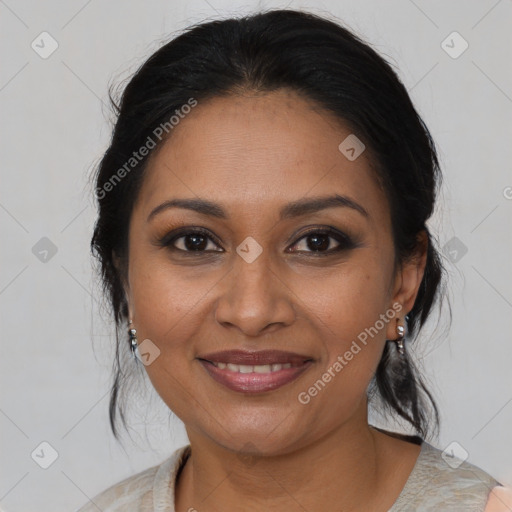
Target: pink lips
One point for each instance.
(235, 369)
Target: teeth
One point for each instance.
(257, 368)
(262, 368)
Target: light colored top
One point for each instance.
(433, 485)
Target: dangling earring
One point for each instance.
(132, 333)
(401, 338)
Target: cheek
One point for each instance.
(349, 314)
(169, 310)
(166, 298)
(348, 299)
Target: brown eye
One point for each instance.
(323, 241)
(192, 242)
(196, 240)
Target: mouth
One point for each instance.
(254, 372)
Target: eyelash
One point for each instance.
(344, 241)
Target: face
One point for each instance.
(260, 268)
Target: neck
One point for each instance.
(345, 470)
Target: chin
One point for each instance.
(258, 438)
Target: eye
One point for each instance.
(319, 241)
(197, 240)
(323, 241)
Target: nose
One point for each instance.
(254, 298)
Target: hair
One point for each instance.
(326, 63)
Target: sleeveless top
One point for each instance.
(433, 485)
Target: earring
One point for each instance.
(132, 333)
(400, 341)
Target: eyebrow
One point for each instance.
(291, 210)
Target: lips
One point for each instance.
(254, 372)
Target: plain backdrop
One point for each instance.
(56, 342)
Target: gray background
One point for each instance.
(54, 128)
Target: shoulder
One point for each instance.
(134, 490)
(500, 500)
(441, 481)
(142, 490)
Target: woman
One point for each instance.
(262, 238)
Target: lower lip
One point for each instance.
(254, 382)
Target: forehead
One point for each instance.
(257, 150)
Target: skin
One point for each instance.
(252, 153)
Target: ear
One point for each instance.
(407, 281)
(121, 272)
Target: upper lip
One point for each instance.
(255, 357)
